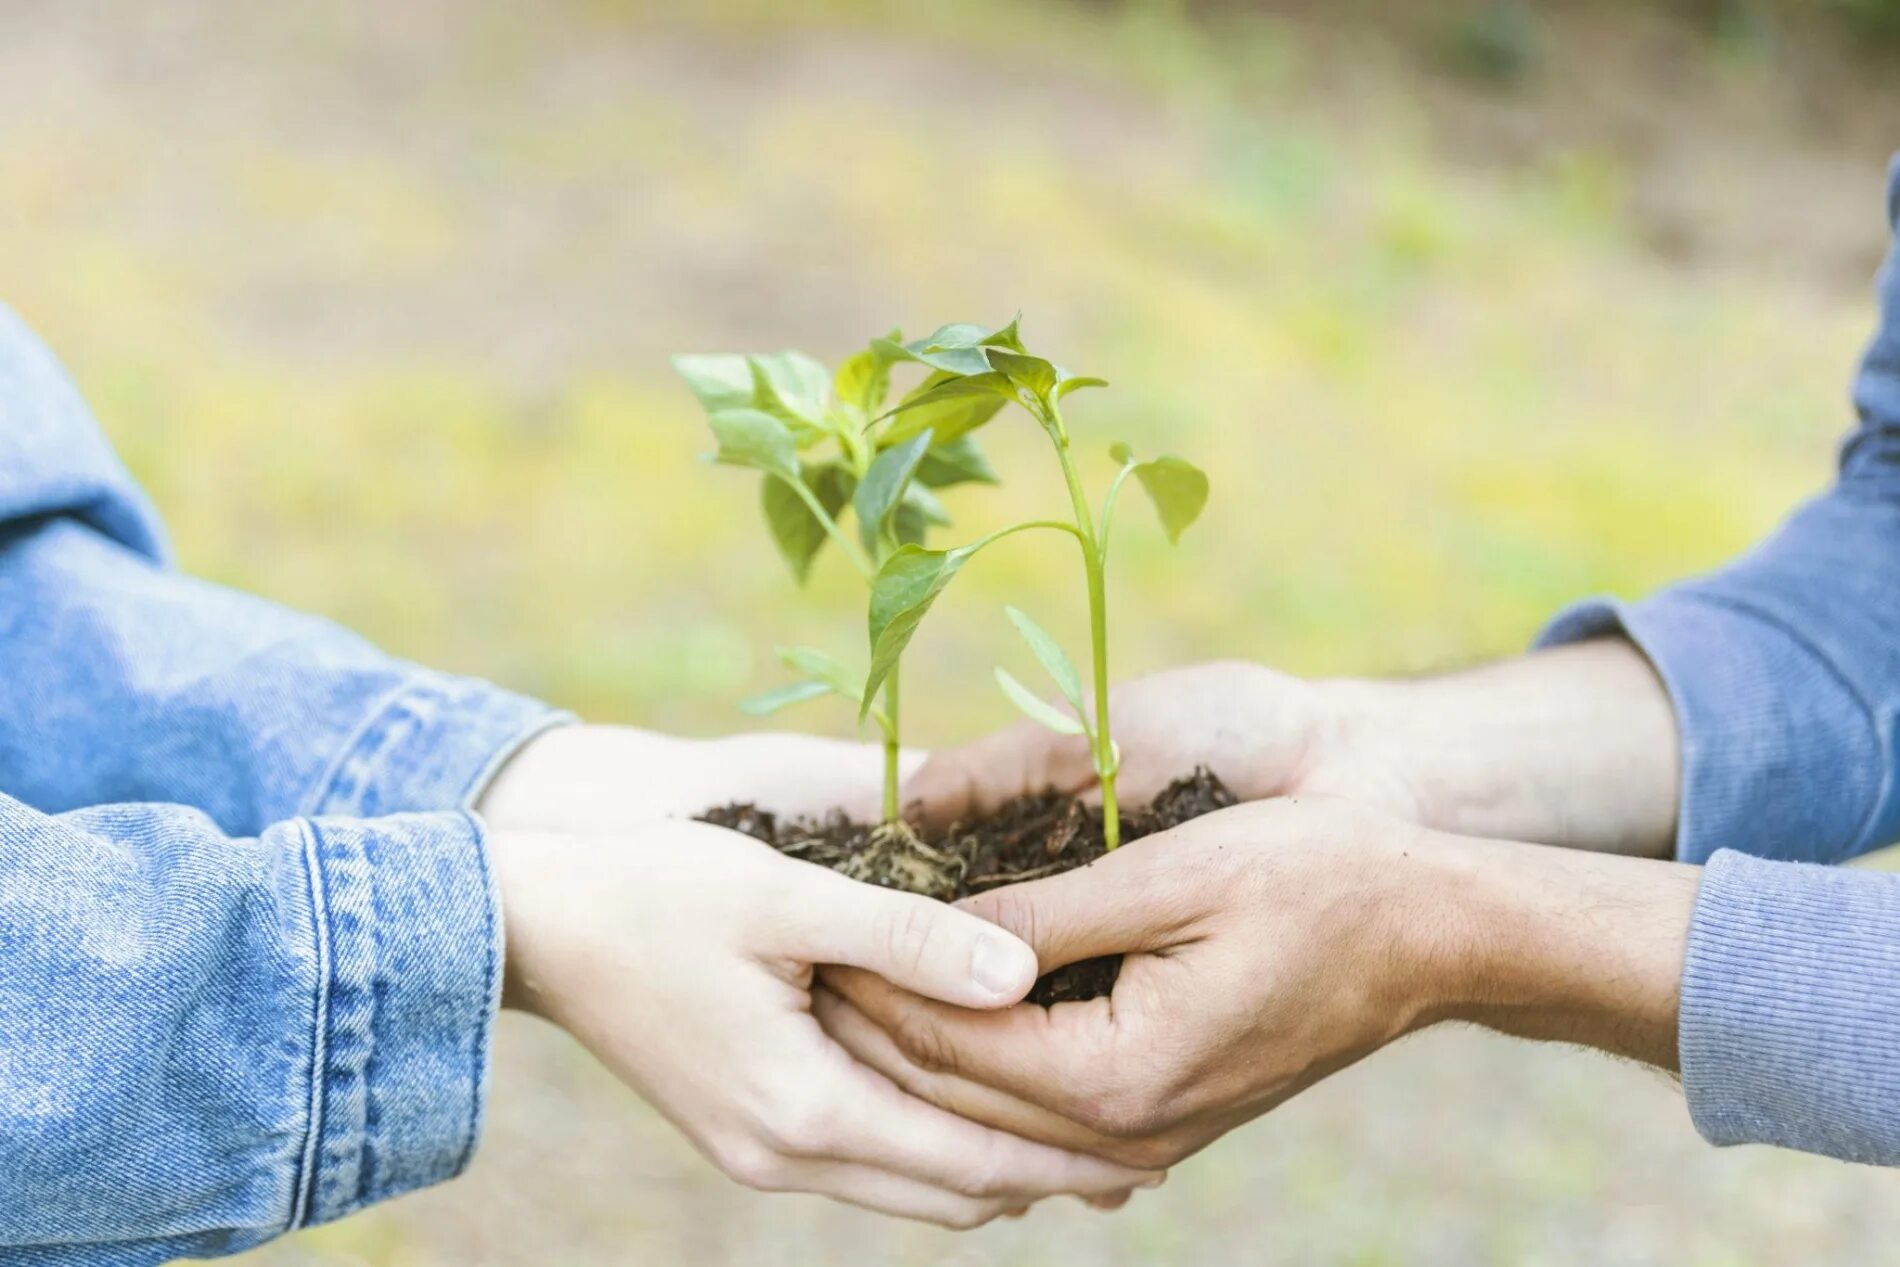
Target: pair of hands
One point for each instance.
(1267, 945)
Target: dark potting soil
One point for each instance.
(1028, 838)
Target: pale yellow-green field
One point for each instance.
(378, 303)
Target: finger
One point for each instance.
(1059, 1059)
(1133, 899)
(871, 1045)
(870, 1188)
(928, 948)
(880, 1125)
(978, 777)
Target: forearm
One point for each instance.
(1562, 946)
(1573, 746)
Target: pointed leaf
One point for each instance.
(1067, 382)
(958, 462)
(750, 437)
(883, 487)
(825, 668)
(1035, 708)
(948, 406)
(1178, 489)
(1121, 453)
(1008, 336)
(1054, 660)
(917, 514)
(791, 386)
(864, 377)
(1032, 373)
(795, 529)
(902, 592)
(720, 381)
(772, 701)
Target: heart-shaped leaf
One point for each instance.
(882, 488)
(784, 696)
(751, 437)
(1035, 707)
(797, 532)
(958, 462)
(1054, 660)
(834, 673)
(1178, 488)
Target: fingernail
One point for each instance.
(1004, 968)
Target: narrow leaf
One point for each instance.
(826, 668)
(1067, 382)
(883, 487)
(1178, 489)
(1035, 708)
(750, 437)
(1054, 660)
(772, 701)
(958, 462)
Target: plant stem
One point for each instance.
(890, 747)
(830, 525)
(1103, 742)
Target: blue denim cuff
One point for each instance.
(432, 744)
(1787, 1026)
(1780, 758)
(409, 955)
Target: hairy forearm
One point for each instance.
(1560, 945)
(1574, 746)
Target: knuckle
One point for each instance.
(918, 1037)
(983, 1177)
(907, 931)
(1011, 911)
(1123, 1114)
(753, 1165)
(798, 1125)
(1152, 1154)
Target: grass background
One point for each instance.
(1470, 311)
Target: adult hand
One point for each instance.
(683, 960)
(1574, 746)
(1268, 946)
(589, 778)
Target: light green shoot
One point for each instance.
(809, 434)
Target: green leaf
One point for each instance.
(956, 348)
(903, 590)
(1008, 336)
(1178, 488)
(864, 378)
(797, 532)
(948, 406)
(791, 386)
(883, 486)
(958, 462)
(828, 669)
(1035, 708)
(772, 701)
(750, 437)
(1067, 382)
(1054, 660)
(917, 514)
(1032, 373)
(1121, 453)
(720, 381)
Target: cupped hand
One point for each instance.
(593, 778)
(683, 959)
(1267, 946)
(1264, 733)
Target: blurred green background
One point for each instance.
(1469, 309)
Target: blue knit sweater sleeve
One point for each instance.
(1784, 669)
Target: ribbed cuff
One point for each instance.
(1779, 758)
(409, 954)
(434, 744)
(1790, 1019)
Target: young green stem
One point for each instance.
(830, 525)
(890, 748)
(1100, 737)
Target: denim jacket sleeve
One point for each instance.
(207, 1040)
(1784, 670)
(122, 680)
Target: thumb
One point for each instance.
(914, 942)
(979, 777)
(1120, 903)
